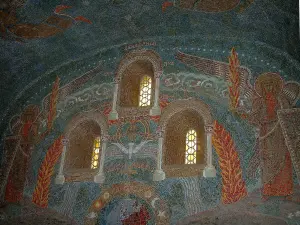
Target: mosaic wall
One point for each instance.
(257, 177)
(129, 192)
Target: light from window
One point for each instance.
(145, 91)
(191, 147)
(96, 152)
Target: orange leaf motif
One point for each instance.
(83, 19)
(53, 101)
(41, 191)
(234, 79)
(233, 185)
(165, 5)
(60, 8)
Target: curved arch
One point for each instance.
(200, 107)
(202, 111)
(140, 55)
(133, 60)
(143, 191)
(98, 117)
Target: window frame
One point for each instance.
(84, 174)
(202, 111)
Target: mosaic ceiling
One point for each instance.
(42, 39)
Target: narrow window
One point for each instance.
(191, 147)
(145, 91)
(95, 155)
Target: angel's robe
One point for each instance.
(276, 165)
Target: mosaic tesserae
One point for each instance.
(118, 112)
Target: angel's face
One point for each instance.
(270, 87)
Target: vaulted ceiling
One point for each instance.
(41, 39)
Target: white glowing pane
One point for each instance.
(190, 144)
(95, 155)
(191, 151)
(191, 147)
(145, 91)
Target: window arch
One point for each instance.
(131, 69)
(184, 139)
(84, 147)
(179, 119)
(137, 87)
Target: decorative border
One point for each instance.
(98, 117)
(140, 54)
(71, 87)
(143, 191)
(174, 107)
(217, 68)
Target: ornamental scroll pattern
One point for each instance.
(91, 94)
(72, 86)
(217, 68)
(196, 83)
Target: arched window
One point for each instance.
(185, 147)
(96, 153)
(84, 148)
(145, 91)
(137, 85)
(191, 147)
(184, 139)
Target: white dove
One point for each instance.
(131, 149)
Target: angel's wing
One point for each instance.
(291, 91)
(215, 68)
(121, 147)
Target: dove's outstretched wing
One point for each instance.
(139, 146)
(121, 147)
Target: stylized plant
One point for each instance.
(234, 80)
(41, 191)
(53, 102)
(233, 185)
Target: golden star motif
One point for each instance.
(148, 194)
(106, 195)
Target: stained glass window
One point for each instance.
(145, 91)
(191, 147)
(96, 152)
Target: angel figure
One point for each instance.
(275, 160)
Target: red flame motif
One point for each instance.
(83, 19)
(60, 8)
(165, 5)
